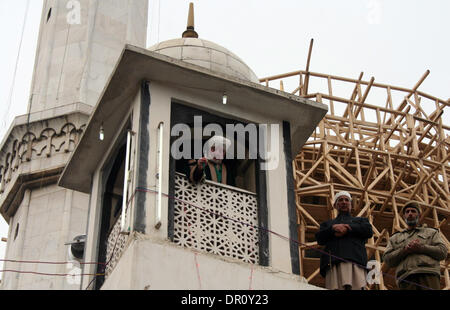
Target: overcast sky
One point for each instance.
(395, 41)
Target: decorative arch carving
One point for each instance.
(35, 142)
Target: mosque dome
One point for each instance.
(204, 53)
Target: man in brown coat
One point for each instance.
(415, 252)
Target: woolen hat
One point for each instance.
(340, 194)
(412, 204)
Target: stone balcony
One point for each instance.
(209, 217)
(35, 150)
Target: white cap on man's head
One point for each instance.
(221, 145)
(340, 194)
(218, 141)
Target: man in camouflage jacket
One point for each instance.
(415, 252)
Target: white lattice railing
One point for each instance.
(114, 248)
(217, 219)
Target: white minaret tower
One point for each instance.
(80, 42)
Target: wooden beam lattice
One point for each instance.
(384, 156)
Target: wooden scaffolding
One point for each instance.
(385, 145)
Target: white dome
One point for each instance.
(206, 54)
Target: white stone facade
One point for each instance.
(148, 263)
(74, 61)
(151, 260)
(73, 65)
(48, 218)
(35, 151)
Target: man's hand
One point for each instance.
(201, 162)
(340, 229)
(413, 247)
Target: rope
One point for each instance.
(159, 17)
(250, 279)
(44, 262)
(198, 271)
(16, 64)
(278, 235)
(195, 254)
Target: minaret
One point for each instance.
(80, 42)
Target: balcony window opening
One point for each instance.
(230, 169)
(111, 240)
(219, 211)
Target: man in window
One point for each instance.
(212, 166)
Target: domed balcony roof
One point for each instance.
(204, 53)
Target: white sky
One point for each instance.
(395, 41)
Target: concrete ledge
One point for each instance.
(161, 265)
(34, 154)
(63, 111)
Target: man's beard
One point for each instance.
(412, 222)
(216, 161)
(347, 211)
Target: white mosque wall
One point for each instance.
(73, 63)
(48, 218)
(154, 264)
(161, 99)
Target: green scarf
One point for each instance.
(218, 168)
